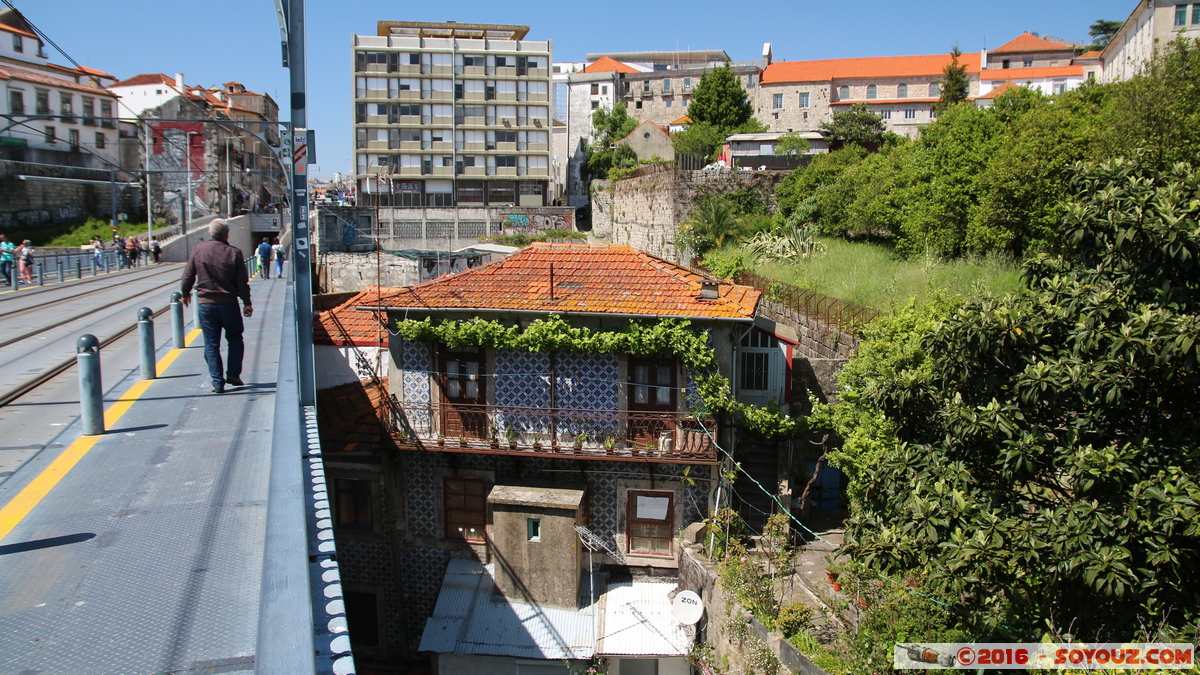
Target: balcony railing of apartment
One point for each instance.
(566, 432)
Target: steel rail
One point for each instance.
(46, 303)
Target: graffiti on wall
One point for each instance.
(174, 153)
(518, 222)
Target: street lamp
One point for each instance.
(187, 156)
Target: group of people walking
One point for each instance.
(266, 252)
(133, 251)
(23, 255)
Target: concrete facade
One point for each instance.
(532, 540)
(1151, 25)
(649, 140)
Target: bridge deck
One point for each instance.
(146, 556)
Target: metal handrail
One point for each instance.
(829, 310)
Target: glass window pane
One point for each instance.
(641, 395)
(641, 374)
(664, 375)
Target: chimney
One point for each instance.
(767, 56)
(983, 59)
(710, 289)
(179, 82)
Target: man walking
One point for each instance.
(264, 258)
(218, 271)
(6, 258)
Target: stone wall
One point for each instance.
(344, 272)
(645, 211)
(817, 339)
(29, 203)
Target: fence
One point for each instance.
(828, 310)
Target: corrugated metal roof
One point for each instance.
(637, 620)
(467, 620)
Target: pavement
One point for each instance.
(140, 551)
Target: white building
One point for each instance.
(143, 92)
(52, 114)
(1151, 25)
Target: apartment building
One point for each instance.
(1151, 25)
(452, 124)
(52, 114)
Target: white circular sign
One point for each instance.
(687, 608)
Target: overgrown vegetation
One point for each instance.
(719, 107)
(526, 238)
(990, 180)
(75, 232)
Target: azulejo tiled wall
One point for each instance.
(415, 376)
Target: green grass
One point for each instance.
(874, 276)
(75, 232)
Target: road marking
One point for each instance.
(20, 506)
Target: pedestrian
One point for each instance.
(264, 258)
(277, 252)
(218, 272)
(98, 252)
(144, 251)
(25, 260)
(131, 251)
(155, 251)
(6, 259)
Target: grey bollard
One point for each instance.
(78, 268)
(14, 277)
(41, 279)
(94, 267)
(146, 343)
(91, 398)
(60, 276)
(177, 320)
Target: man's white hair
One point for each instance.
(217, 229)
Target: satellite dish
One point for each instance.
(687, 608)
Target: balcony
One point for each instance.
(563, 432)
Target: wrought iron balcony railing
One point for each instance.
(574, 432)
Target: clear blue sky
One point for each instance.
(214, 41)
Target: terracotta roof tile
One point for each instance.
(1030, 73)
(13, 29)
(1028, 42)
(587, 279)
(347, 418)
(146, 78)
(346, 326)
(7, 72)
(999, 91)
(871, 66)
(607, 64)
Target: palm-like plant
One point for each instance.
(710, 226)
(790, 243)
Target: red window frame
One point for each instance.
(464, 505)
(649, 529)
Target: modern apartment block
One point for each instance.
(452, 116)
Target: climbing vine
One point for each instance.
(666, 336)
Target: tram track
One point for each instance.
(12, 296)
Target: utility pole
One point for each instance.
(302, 268)
(149, 202)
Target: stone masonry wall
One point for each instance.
(646, 211)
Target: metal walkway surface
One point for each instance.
(146, 555)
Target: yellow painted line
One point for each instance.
(20, 506)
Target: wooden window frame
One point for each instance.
(653, 386)
(353, 505)
(455, 526)
(631, 521)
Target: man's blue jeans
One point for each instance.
(214, 318)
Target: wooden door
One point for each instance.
(464, 411)
(652, 399)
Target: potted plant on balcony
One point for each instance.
(493, 439)
(441, 439)
(511, 434)
(580, 439)
(537, 444)
(609, 444)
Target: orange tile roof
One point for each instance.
(999, 91)
(607, 64)
(618, 280)
(683, 120)
(1030, 73)
(1089, 55)
(348, 418)
(866, 67)
(345, 326)
(18, 31)
(92, 71)
(146, 78)
(1028, 42)
(7, 72)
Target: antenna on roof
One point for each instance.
(594, 543)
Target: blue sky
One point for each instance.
(213, 41)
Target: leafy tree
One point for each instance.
(857, 125)
(956, 86)
(797, 190)
(609, 126)
(1102, 32)
(792, 144)
(712, 224)
(720, 100)
(700, 138)
(1036, 459)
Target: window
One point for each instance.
(935, 89)
(352, 508)
(804, 99)
(651, 515)
(638, 105)
(470, 192)
(49, 136)
(106, 115)
(73, 138)
(1060, 87)
(360, 138)
(100, 142)
(669, 102)
(687, 84)
(465, 508)
(595, 105)
(760, 363)
(1196, 14)
(16, 102)
(843, 93)
(360, 112)
(910, 113)
(362, 616)
(65, 108)
(902, 90)
(645, 86)
(777, 101)
(872, 91)
(667, 83)
(886, 113)
(1180, 15)
(42, 105)
(1027, 63)
(1005, 64)
(933, 113)
(652, 384)
(604, 90)
(750, 80)
(18, 44)
(533, 529)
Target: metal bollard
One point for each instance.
(93, 267)
(104, 263)
(146, 342)
(41, 281)
(91, 398)
(59, 262)
(78, 268)
(177, 320)
(14, 277)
